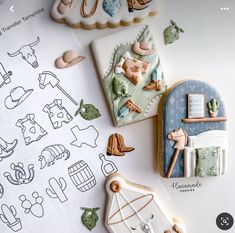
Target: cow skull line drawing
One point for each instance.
(28, 53)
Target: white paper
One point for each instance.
(62, 213)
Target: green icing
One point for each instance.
(88, 111)
(119, 88)
(208, 161)
(139, 96)
(90, 217)
(172, 33)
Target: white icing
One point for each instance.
(205, 139)
(127, 202)
(100, 16)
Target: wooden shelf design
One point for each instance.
(207, 119)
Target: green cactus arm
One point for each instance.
(3, 218)
(63, 184)
(209, 106)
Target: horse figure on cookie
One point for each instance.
(180, 137)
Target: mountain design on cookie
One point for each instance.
(91, 14)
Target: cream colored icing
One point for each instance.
(74, 16)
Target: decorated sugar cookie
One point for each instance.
(135, 208)
(90, 14)
(131, 73)
(192, 131)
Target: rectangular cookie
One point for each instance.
(130, 71)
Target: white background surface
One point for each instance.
(205, 52)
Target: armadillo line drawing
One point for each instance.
(48, 78)
(4, 75)
(28, 53)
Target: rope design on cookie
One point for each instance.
(92, 12)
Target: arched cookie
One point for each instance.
(192, 138)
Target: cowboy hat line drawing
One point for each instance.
(16, 97)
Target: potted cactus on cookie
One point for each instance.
(213, 107)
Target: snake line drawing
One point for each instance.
(20, 174)
(87, 136)
(36, 209)
(8, 216)
(48, 78)
(57, 114)
(57, 188)
(4, 76)
(1, 191)
(28, 53)
(52, 153)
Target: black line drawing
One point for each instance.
(1, 191)
(20, 174)
(48, 78)
(28, 53)
(57, 114)
(107, 166)
(82, 176)
(57, 189)
(4, 76)
(7, 148)
(31, 130)
(17, 96)
(8, 216)
(87, 136)
(52, 153)
(36, 209)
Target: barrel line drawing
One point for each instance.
(82, 176)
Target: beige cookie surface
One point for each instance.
(133, 208)
(71, 13)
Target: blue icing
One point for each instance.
(175, 109)
(123, 111)
(111, 7)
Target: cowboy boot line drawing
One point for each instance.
(7, 148)
(116, 145)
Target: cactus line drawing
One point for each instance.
(36, 208)
(8, 216)
(57, 189)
